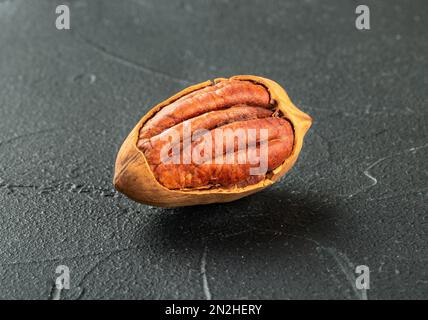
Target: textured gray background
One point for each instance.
(358, 194)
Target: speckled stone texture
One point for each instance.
(357, 196)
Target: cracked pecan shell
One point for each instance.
(209, 111)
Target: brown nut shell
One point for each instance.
(134, 177)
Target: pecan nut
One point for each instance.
(212, 142)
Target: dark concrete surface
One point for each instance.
(357, 196)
